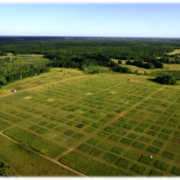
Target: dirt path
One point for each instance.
(46, 157)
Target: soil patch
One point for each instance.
(113, 92)
(175, 139)
(88, 93)
(28, 97)
(50, 99)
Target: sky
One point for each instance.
(90, 19)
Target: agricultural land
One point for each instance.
(94, 121)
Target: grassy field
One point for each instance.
(167, 67)
(98, 124)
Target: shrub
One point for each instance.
(139, 169)
(126, 141)
(153, 149)
(163, 136)
(84, 147)
(166, 79)
(146, 159)
(161, 165)
(123, 163)
(117, 150)
(158, 143)
(93, 141)
(139, 145)
(110, 157)
(168, 155)
(155, 173)
(114, 138)
(176, 171)
(96, 152)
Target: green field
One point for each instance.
(98, 125)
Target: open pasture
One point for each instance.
(99, 124)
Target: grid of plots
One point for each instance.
(129, 126)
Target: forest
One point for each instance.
(83, 52)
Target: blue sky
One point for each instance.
(78, 19)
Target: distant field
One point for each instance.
(140, 70)
(175, 52)
(26, 59)
(97, 124)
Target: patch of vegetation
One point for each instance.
(110, 157)
(126, 141)
(35, 142)
(114, 138)
(168, 155)
(166, 79)
(117, 150)
(146, 159)
(78, 136)
(161, 165)
(69, 132)
(167, 131)
(145, 139)
(163, 136)
(158, 143)
(90, 166)
(93, 141)
(139, 169)
(131, 154)
(139, 145)
(176, 171)
(123, 163)
(132, 135)
(103, 134)
(153, 149)
(155, 173)
(96, 152)
(85, 147)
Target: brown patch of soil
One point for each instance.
(28, 97)
(175, 139)
(113, 92)
(88, 93)
(50, 99)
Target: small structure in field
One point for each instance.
(151, 157)
(14, 90)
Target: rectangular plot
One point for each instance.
(35, 142)
(90, 166)
(4, 124)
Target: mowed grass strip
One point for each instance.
(29, 162)
(35, 142)
(90, 166)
